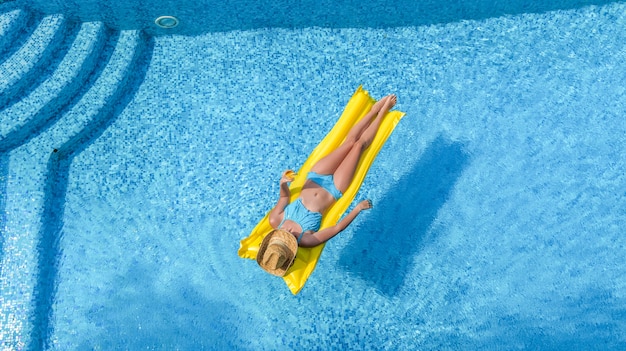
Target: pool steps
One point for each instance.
(38, 54)
(44, 123)
(40, 108)
(16, 26)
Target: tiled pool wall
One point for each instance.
(198, 17)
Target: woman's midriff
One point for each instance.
(315, 198)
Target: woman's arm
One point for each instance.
(326, 234)
(276, 215)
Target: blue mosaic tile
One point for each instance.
(498, 200)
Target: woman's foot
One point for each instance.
(390, 102)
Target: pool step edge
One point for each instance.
(44, 105)
(17, 28)
(36, 58)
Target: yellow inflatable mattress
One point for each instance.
(306, 258)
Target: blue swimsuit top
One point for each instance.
(308, 220)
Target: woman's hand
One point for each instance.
(365, 205)
(325, 234)
(288, 176)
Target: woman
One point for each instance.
(298, 223)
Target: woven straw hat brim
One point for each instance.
(290, 243)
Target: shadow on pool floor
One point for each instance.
(404, 217)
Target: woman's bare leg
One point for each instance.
(355, 132)
(329, 163)
(345, 171)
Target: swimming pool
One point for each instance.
(132, 163)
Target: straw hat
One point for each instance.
(277, 252)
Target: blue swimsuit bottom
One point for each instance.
(327, 182)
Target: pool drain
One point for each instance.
(166, 22)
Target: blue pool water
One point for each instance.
(132, 162)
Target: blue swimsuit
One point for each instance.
(310, 220)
